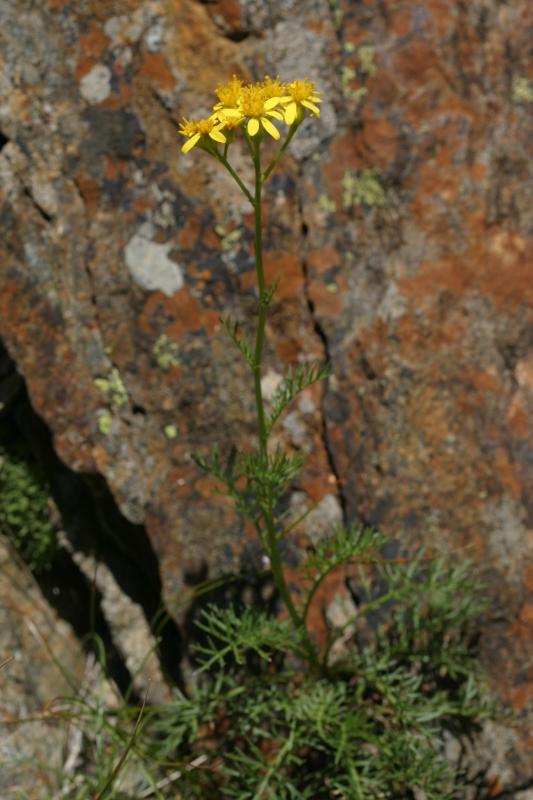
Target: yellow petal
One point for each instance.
(313, 108)
(253, 126)
(271, 103)
(315, 98)
(270, 128)
(290, 113)
(190, 143)
(275, 114)
(217, 135)
(229, 112)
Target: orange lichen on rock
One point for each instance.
(155, 67)
(90, 47)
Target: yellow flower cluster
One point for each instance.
(253, 107)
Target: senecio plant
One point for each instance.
(274, 713)
(285, 717)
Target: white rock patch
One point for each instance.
(96, 85)
(149, 265)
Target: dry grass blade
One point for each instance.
(122, 760)
(173, 777)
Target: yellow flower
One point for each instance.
(255, 102)
(273, 88)
(259, 110)
(300, 95)
(229, 93)
(196, 131)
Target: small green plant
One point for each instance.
(274, 713)
(288, 719)
(25, 510)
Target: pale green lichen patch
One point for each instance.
(363, 188)
(326, 204)
(104, 424)
(367, 55)
(170, 431)
(113, 388)
(166, 352)
(228, 239)
(522, 89)
(348, 74)
(336, 13)
(332, 288)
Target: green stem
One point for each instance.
(224, 161)
(271, 537)
(263, 309)
(315, 587)
(273, 163)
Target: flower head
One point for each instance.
(228, 93)
(259, 110)
(198, 130)
(253, 106)
(299, 96)
(273, 87)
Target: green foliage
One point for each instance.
(272, 714)
(243, 343)
(254, 481)
(24, 509)
(234, 636)
(344, 544)
(295, 382)
(258, 723)
(371, 726)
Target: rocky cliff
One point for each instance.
(400, 227)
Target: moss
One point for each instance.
(166, 353)
(522, 90)
(113, 387)
(24, 510)
(363, 188)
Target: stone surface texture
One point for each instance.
(401, 226)
(38, 652)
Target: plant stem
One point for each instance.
(224, 161)
(271, 538)
(263, 308)
(292, 131)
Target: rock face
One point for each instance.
(401, 229)
(41, 661)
